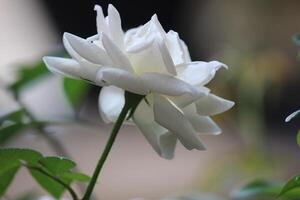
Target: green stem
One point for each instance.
(131, 102)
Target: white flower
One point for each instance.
(148, 61)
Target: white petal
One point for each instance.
(203, 125)
(140, 45)
(88, 71)
(175, 47)
(171, 117)
(119, 59)
(212, 105)
(71, 51)
(147, 48)
(148, 59)
(114, 25)
(162, 141)
(111, 103)
(293, 115)
(157, 26)
(170, 85)
(122, 79)
(183, 100)
(138, 39)
(87, 50)
(63, 66)
(129, 35)
(141, 38)
(166, 55)
(92, 38)
(186, 53)
(101, 25)
(198, 73)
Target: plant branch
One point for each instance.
(40, 128)
(56, 145)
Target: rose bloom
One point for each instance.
(148, 61)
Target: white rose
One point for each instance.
(148, 61)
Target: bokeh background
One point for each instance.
(252, 37)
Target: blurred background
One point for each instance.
(252, 37)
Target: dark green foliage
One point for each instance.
(75, 91)
(54, 174)
(11, 124)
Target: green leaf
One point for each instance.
(298, 138)
(28, 74)
(11, 157)
(296, 39)
(293, 116)
(76, 176)
(50, 185)
(75, 90)
(57, 165)
(7, 132)
(293, 183)
(51, 173)
(262, 189)
(14, 123)
(11, 124)
(6, 178)
(15, 116)
(257, 189)
(10, 163)
(61, 168)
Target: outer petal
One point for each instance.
(292, 116)
(122, 79)
(172, 118)
(186, 53)
(175, 47)
(71, 51)
(115, 28)
(63, 66)
(166, 55)
(71, 68)
(101, 24)
(88, 50)
(198, 73)
(184, 100)
(111, 102)
(170, 85)
(203, 125)
(212, 105)
(119, 59)
(162, 141)
(88, 71)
